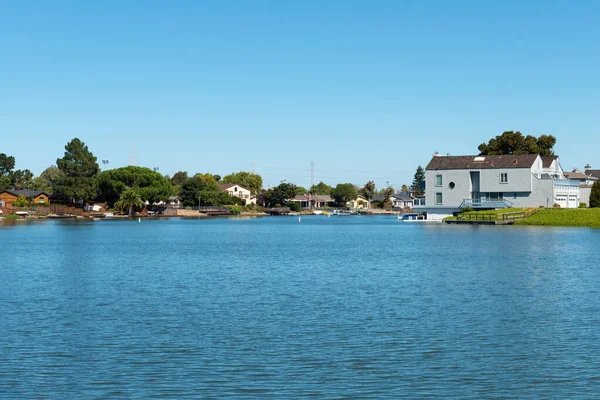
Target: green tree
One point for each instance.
(404, 189)
(149, 184)
(320, 189)
(511, 142)
(595, 195)
(179, 178)
(79, 180)
(368, 191)
(418, 181)
(129, 199)
(250, 181)
(21, 201)
(280, 194)
(301, 190)
(21, 179)
(7, 164)
(203, 190)
(343, 193)
(47, 179)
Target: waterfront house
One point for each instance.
(359, 203)
(174, 202)
(582, 178)
(313, 201)
(235, 190)
(586, 181)
(402, 200)
(8, 197)
(399, 200)
(496, 182)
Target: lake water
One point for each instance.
(341, 307)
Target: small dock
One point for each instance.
(483, 218)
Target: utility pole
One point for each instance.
(253, 167)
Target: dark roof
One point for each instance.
(593, 172)
(547, 160)
(403, 196)
(400, 196)
(27, 193)
(482, 162)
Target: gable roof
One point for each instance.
(548, 160)
(315, 197)
(593, 172)
(226, 186)
(402, 196)
(579, 176)
(27, 193)
(482, 162)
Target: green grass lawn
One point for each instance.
(584, 217)
(490, 212)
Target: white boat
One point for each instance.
(22, 213)
(109, 215)
(317, 212)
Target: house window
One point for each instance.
(514, 195)
(438, 180)
(452, 185)
(438, 198)
(504, 177)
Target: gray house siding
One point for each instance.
(519, 180)
(451, 198)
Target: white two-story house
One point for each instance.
(495, 182)
(236, 190)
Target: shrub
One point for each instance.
(21, 201)
(556, 205)
(467, 210)
(582, 205)
(294, 206)
(236, 210)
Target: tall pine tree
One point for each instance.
(79, 180)
(595, 195)
(418, 184)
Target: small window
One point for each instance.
(438, 180)
(504, 177)
(438, 198)
(452, 185)
(514, 195)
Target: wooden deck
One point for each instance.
(483, 218)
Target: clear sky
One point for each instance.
(365, 89)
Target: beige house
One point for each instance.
(360, 203)
(236, 190)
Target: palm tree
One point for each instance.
(129, 198)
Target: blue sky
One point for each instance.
(366, 90)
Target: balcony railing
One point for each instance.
(486, 203)
(566, 183)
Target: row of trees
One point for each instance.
(77, 178)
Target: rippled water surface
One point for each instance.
(346, 307)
